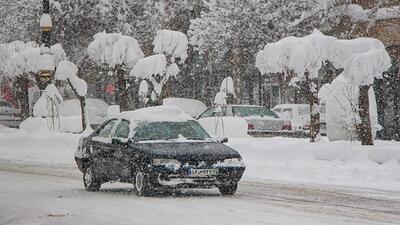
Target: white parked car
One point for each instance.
(299, 115)
(9, 115)
(259, 118)
(97, 110)
(192, 107)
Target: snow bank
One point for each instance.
(34, 125)
(158, 113)
(173, 43)
(39, 147)
(329, 163)
(96, 108)
(232, 126)
(291, 160)
(191, 107)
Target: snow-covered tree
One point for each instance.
(155, 68)
(361, 69)
(120, 54)
(67, 71)
(230, 33)
(302, 58)
(227, 87)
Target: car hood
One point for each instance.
(189, 151)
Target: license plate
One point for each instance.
(203, 172)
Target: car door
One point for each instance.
(121, 156)
(102, 150)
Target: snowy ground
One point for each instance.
(286, 160)
(287, 181)
(29, 198)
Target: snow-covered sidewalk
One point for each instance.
(287, 160)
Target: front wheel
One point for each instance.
(228, 189)
(90, 181)
(141, 183)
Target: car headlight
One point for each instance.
(170, 163)
(233, 162)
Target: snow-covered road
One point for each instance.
(44, 195)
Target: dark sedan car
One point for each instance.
(157, 149)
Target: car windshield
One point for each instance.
(253, 111)
(170, 131)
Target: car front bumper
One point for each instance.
(164, 178)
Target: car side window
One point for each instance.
(122, 130)
(105, 132)
(5, 104)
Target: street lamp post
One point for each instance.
(45, 71)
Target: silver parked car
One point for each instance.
(9, 116)
(259, 118)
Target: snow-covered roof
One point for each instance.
(156, 114)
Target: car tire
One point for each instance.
(228, 189)
(90, 181)
(141, 183)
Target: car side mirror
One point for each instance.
(223, 140)
(118, 141)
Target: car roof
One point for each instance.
(290, 106)
(156, 114)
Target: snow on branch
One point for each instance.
(172, 43)
(17, 58)
(68, 71)
(309, 53)
(227, 86)
(344, 49)
(115, 49)
(147, 67)
(361, 69)
(357, 14)
(41, 106)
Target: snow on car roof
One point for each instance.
(250, 106)
(290, 105)
(156, 114)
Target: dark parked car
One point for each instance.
(9, 115)
(157, 149)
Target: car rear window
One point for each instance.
(253, 111)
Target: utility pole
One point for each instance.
(46, 66)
